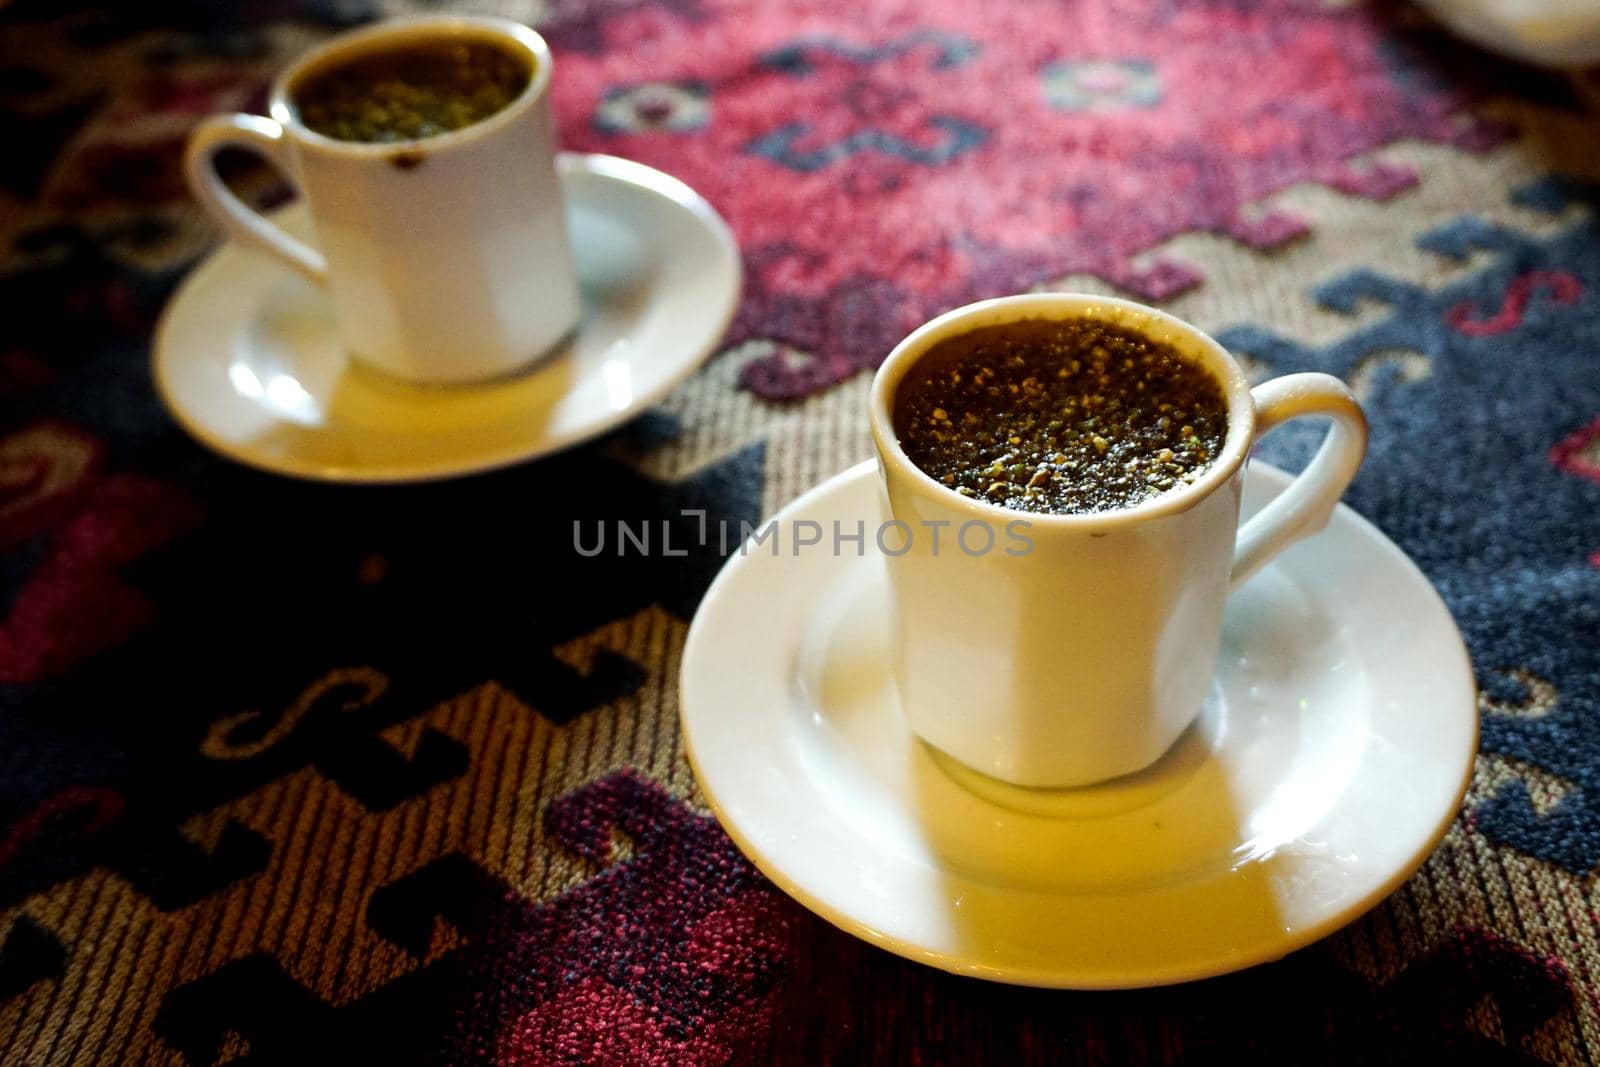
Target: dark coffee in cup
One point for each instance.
(410, 91)
(1066, 417)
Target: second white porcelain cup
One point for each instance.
(446, 258)
(1086, 656)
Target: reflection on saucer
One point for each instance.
(1130, 792)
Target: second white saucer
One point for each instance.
(248, 361)
(1332, 756)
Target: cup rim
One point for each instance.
(399, 29)
(1190, 340)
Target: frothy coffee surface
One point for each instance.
(410, 92)
(1065, 417)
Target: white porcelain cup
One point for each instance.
(446, 258)
(1085, 657)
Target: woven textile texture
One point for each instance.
(299, 774)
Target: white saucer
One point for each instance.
(247, 360)
(1332, 757)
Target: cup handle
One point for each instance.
(1308, 503)
(248, 227)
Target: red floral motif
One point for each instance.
(889, 218)
(98, 806)
(1558, 286)
(1579, 453)
(74, 604)
(595, 1022)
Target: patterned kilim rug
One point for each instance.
(300, 774)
